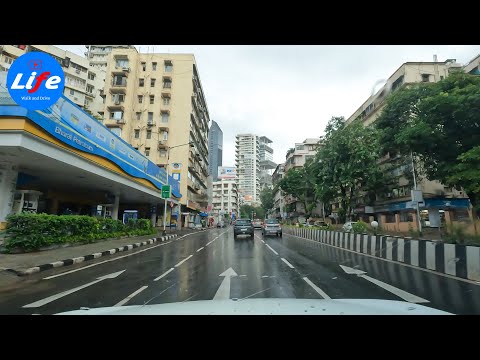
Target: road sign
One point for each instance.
(166, 191)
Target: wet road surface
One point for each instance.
(212, 265)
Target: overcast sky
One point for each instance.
(289, 93)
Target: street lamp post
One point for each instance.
(165, 200)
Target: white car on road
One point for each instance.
(348, 226)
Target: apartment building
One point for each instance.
(394, 209)
(247, 161)
(215, 149)
(97, 55)
(225, 198)
(302, 152)
(157, 104)
(83, 84)
(266, 162)
(296, 158)
(473, 66)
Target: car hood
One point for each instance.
(269, 307)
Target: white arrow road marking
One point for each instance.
(286, 262)
(396, 291)
(201, 248)
(223, 291)
(71, 291)
(272, 249)
(316, 288)
(129, 297)
(181, 262)
(164, 274)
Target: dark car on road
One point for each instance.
(243, 227)
(271, 227)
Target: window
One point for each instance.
(119, 80)
(144, 66)
(117, 115)
(168, 66)
(141, 82)
(397, 83)
(460, 215)
(441, 77)
(166, 100)
(121, 63)
(152, 82)
(90, 89)
(165, 135)
(299, 147)
(147, 151)
(91, 76)
(165, 116)
(406, 217)
(150, 117)
(117, 98)
(140, 99)
(425, 77)
(8, 59)
(152, 99)
(167, 83)
(154, 66)
(139, 115)
(390, 218)
(163, 153)
(72, 92)
(137, 134)
(149, 134)
(225, 192)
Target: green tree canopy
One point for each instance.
(439, 123)
(347, 164)
(266, 197)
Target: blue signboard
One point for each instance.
(68, 123)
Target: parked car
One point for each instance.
(348, 226)
(243, 227)
(257, 224)
(271, 227)
(320, 223)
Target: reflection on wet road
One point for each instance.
(212, 265)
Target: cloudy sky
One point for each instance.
(289, 93)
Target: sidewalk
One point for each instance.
(19, 263)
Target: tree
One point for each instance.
(266, 197)
(289, 151)
(246, 212)
(439, 123)
(300, 183)
(347, 165)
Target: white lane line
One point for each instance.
(201, 248)
(397, 262)
(262, 241)
(286, 262)
(103, 262)
(272, 249)
(316, 288)
(129, 297)
(164, 274)
(181, 262)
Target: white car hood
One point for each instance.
(269, 307)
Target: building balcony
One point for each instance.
(123, 71)
(116, 107)
(162, 144)
(119, 84)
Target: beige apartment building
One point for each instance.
(225, 198)
(83, 84)
(394, 210)
(157, 104)
(295, 159)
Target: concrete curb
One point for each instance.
(459, 261)
(76, 260)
